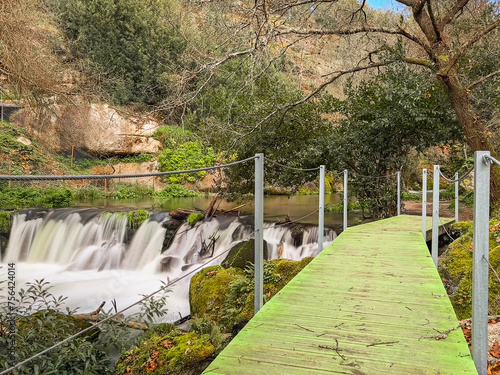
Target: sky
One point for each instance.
(384, 4)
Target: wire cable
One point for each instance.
(373, 177)
(458, 179)
(292, 168)
(115, 176)
(18, 365)
(296, 220)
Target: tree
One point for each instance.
(386, 117)
(436, 35)
(133, 48)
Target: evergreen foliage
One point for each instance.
(133, 46)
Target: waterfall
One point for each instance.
(89, 255)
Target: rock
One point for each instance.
(167, 350)
(242, 254)
(226, 296)
(208, 292)
(24, 141)
(94, 127)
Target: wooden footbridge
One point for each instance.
(371, 303)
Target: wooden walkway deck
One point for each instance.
(370, 303)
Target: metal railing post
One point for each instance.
(456, 197)
(480, 246)
(399, 192)
(321, 218)
(435, 215)
(345, 199)
(259, 228)
(424, 203)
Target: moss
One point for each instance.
(208, 291)
(194, 218)
(227, 296)
(5, 222)
(173, 353)
(137, 218)
(456, 269)
(242, 255)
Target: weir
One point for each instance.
(90, 255)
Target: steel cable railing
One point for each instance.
(115, 176)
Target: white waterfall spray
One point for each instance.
(85, 253)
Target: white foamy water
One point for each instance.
(85, 255)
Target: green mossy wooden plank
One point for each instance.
(370, 303)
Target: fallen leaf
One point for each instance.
(495, 350)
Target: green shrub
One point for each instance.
(126, 191)
(20, 197)
(176, 191)
(137, 218)
(188, 155)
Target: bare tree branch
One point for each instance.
(470, 42)
(448, 17)
(364, 29)
(483, 79)
(409, 3)
(433, 20)
(284, 109)
(360, 9)
(300, 3)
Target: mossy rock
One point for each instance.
(455, 268)
(173, 353)
(242, 255)
(137, 218)
(208, 289)
(226, 296)
(194, 218)
(60, 325)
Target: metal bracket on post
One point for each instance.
(456, 197)
(399, 192)
(345, 199)
(259, 235)
(424, 204)
(480, 246)
(435, 215)
(321, 218)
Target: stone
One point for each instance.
(96, 128)
(242, 255)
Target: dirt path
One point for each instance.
(415, 208)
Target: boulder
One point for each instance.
(226, 296)
(93, 127)
(167, 350)
(242, 255)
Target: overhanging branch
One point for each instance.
(483, 79)
(364, 29)
(476, 38)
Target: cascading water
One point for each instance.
(87, 256)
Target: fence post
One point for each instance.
(321, 219)
(424, 203)
(480, 246)
(345, 199)
(399, 192)
(435, 215)
(259, 235)
(456, 197)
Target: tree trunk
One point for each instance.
(475, 130)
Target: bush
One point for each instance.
(188, 155)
